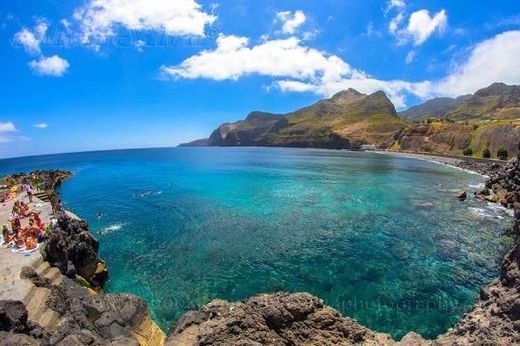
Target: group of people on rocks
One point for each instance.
(27, 185)
(24, 237)
(28, 237)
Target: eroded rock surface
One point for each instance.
(72, 248)
(271, 319)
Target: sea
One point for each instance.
(380, 238)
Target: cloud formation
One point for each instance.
(41, 125)
(234, 58)
(298, 68)
(291, 21)
(30, 40)
(54, 66)
(7, 130)
(492, 60)
(421, 26)
(99, 19)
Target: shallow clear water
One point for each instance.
(183, 226)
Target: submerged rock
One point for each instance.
(461, 195)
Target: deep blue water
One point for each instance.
(183, 226)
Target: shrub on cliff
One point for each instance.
(468, 152)
(502, 154)
(486, 153)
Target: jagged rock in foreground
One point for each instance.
(15, 329)
(71, 248)
(271, 319)
(301, 319)
(83, 318)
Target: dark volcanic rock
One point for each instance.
(71, 248)
(85, 319)
(13, 316)
(504, 184)
(495, 318)
(15, 329)
(275, 319)
(12, 339)
(46, 180)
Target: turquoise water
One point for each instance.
(378, 237)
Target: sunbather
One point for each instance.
(25, 210)
(16, 225)
(7, 235)
(30, 243)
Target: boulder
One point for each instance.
(71, 248)
(13, 316)
(271, 319)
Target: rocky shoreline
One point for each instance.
(87, 316)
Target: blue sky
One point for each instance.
(106, 74)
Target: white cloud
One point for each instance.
(6, 133)
(7, 127)
(234, 58)
(421, 26)
(410, 57)
(394, 23)
(41, 125)
(291, 21)
(297, 68)
(99, 18)
(395, 4)
(492, 60)
(50, 66)
(31, 39)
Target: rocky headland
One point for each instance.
(483, 125)
(68, 283)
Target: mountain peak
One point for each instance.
(496, 89)
(347, 96)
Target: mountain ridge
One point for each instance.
(488, 119)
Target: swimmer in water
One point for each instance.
(99, 215)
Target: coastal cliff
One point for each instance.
(488, 120)
(347, 120)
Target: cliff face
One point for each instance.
(489, 119)
(346, 120)
(454, 138)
